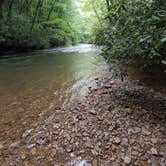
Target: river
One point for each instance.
(35, 83)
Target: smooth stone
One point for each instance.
(69, 150)
(145, 131)
(29, 146)
(124, 141)
(23, 156)
(154, 151)
(33, 151)
(41, 141)
(1, 146)
(127, 160)
(27, 132)
(117, 140)
(93, 112)
(154, 140)
(15, 144)
(136, 130)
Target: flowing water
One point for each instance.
(35, 83)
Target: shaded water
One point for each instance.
(38, 82)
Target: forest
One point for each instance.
(36, 24)
(133, 31)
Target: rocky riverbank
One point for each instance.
(118, 123)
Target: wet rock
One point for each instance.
(94, 152)
(56, 126)
(69, 150)
(154, 151)
(15, 144)
(26, 133)
(145, 131)
(154, 140)
(29, 146)
(124, 141)
(127, 159)
(93, 112)
(136, 130)
(33, 151)
(117, 140)
(84, 163)
(1, 147)
(23, 156)
(60, 149)
(41, 141)
(134, 153)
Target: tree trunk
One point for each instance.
(9, 15)
(39, 3)
(1, 9)
(51, 10)
(108, 9)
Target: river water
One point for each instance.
(35, 83)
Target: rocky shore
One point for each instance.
(118, 123)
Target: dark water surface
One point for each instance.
(35, 83)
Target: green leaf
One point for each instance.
(163, 62)
(163, 40)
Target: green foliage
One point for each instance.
(134, 30)
(26, 24)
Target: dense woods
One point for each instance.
(132, 30)
(33, 24)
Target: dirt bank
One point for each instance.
(118, 123)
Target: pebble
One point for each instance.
(136, 130)
(154, 151)
(26, 133)
(69, 150)
(15, 144)
(154, 140)
(127, 160)
(145, 131)
(29, 146)
(117, 140)
(93, 112)
(41, 141)
(1, 146)
(23, 156)
(33, 151)
(124, 141)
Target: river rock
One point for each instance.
(29, 146)
(136, 130)
(15, 144)
(127, 160)
(69, 150)
(41, 141)
(117, 140)
(1, 146)
(124, 141)
(154, 151)
(26, 133)
(33, 151)
(93, 112)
